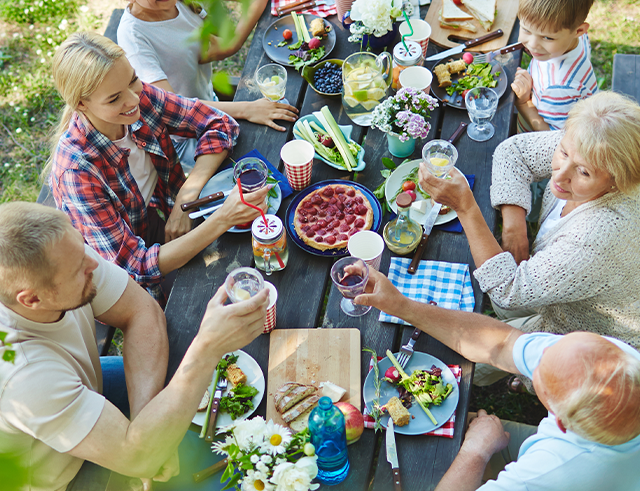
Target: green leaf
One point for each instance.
(385, 173)
(3, 335)
(228, 471)
(9, 356)
(232, 481)
(388, 163)
(221, 82)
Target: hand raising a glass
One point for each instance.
(453, 192)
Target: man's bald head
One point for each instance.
(592, 386)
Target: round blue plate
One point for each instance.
(223, 181)
(421, 424)
(375, 206)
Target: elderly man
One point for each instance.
(53, 415)
(590, 385)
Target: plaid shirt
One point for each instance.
(92, 183)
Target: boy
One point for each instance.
(554, 32)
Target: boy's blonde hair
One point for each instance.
(80, 65)
(606, 131)
(554, 14)
(27, 231)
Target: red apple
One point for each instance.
(457, 2)
(354, 421)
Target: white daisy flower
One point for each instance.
(276, 439)
(257, 481)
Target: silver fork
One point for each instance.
(211, 429)
(487, 57)
(407, 350)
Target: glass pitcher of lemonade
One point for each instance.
(365, 80)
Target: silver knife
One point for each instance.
(392, 455)
(206, 211)
(466, 44)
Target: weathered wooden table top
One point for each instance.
(304, 283)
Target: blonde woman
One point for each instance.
(115, 172)
(584, 274)
(158, 37)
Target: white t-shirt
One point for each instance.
(50, 398)
(140, 165)
(164, 50)
(552, 218)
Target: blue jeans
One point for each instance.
(195, 454)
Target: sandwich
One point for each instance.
(451, 17)
(483, 10)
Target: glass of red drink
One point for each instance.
(350, 275)
(252, 173)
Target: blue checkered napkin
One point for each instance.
(447, 284)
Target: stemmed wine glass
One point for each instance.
(481, 103)
(243, 283)
(272, 82)
(350, 275)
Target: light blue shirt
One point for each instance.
(552, 460)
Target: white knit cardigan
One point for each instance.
(584, 274)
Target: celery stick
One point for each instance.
(326, 119)
(208, 415)
(296, 23)
(303, 26)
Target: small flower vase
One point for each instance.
(379, 43)
(399, 148)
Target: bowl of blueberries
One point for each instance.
(325, 77)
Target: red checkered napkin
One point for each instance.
(445, 430)
(320, 10)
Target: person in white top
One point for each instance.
(53, 414)
(157, 37)
(584, 273)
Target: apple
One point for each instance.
(457, 2)
(354, 421)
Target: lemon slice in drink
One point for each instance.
(369, 105)
(352, 101)
(439, 161)
(360, 95)
(241, 293)
(375, 93)
(275, 79)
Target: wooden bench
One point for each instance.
(626, 71)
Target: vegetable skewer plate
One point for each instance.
(421, 424)
(456, 100)
(273, 35)
(255, 378)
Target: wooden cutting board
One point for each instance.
(505, 19)
(311, 356)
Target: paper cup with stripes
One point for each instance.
(368, 246)
(297, 156)
(421, 33)
(270, 322)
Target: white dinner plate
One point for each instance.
(223, 181)
(255, 378)
(394, 183)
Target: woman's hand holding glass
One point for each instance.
(454, 192)
(234, 212)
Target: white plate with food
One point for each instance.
(255, 378)
(422, 205)
(420, 422)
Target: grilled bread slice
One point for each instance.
(284, 390)
(235, 375)
(398, 412)
(204, 403)
(299, 409)
(293, 397)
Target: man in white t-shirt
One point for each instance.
(53, 414)
(589, 383)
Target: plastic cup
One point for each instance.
(297, 156)
(270, 322)
(368, 246)
(421, 33)
(417, 77)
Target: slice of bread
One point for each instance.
(451, 12)
(398, 412)
(300, 408)
(295, 396)
(483, 10)
(301, 422)
(284, 390)
(235, 375)
(204, 403)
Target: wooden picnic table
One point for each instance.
(304, 283)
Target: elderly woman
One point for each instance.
(584, 274)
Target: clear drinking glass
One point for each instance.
(272, 82)
(350, 275)
(252, 173)
(243, 283)
(439, 156)
(481, 103)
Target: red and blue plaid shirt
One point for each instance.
(92, 183)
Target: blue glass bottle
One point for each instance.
(328, 435)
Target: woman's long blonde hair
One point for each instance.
(79, 66)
